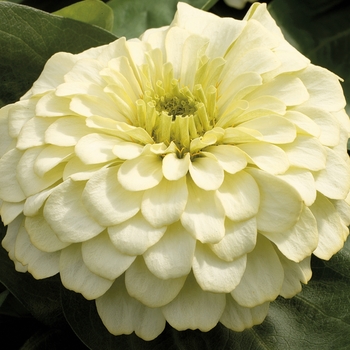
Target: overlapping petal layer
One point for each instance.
(186, 176)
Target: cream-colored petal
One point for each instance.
(239, 239)
(30, 182)
(107, 201)
(175, 168)
(332, 232)
(194, 308)
(263, 277)
(267, 157)
(33, 203)
(10, 189)
(240, 196)
(141, 173)
(127, 150)
(216, 275)
(150, 290)
(96, 148)
(66, 131)
(163, 205)
(66, 215)
(42, 235)
(9, 211)
(294, 275)
(6, 141)
(135, 236)
(172, 256)
(280, 204)
(206, 173)
(300, 240)
(239, 318)
(303, 123)
(334, 180)
(77, 277)
(40, 264)
(122, 314)
(204, 215)
(50, 105)
(103, 259)
(303, 181)
(79, 171)
(231, 158)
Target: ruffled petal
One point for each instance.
(216, 275)
(150, 290)
(76, 276)
(122, 314)
(172, 256)
(66, 215)
(263, 277)
(135, 236)
(194, 308)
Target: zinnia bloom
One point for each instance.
(186, 176)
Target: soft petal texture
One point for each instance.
(76, 276)
(194, 308)
(122, 314)
(263, 277)
(150, 290)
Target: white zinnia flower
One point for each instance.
(184, 177)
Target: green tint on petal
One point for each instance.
(122, 314)
(194, 308)
(216, 275)
(150, 290)
(172, 256)
(76, 276)
(263, 277)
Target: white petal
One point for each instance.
(51, 105)
(231, 158)
(150, 290)
(240, 196)
(334, 180)
(78, 171)
(127, 150)
(103, 259)
(175, 168)
(77, 277)
(42, 235)
(141, 173)
(122, 314)
(206, 173)
(66, 131)
(66, 215)
(267, 157)
(40, 264)
(194, 308)
(162, 205)
(10, 189)
(280, 203)
(303, 181)
(172, 256)
(9, 211)
(263, 276)
(96, 148)
(240, 239)
(6, 141)
(107, 201)
(332, 232)
(300, 240)
(238, 318)
(135, 236)
(303, 123)
(204, 215)
(216, 275)
(30, 182)
(294, 273)
(33, 203)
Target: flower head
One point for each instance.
(184, 177)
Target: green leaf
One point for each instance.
(89, 11)
(320, 30)
(318, 318)
(133, 17)
(29, 37)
